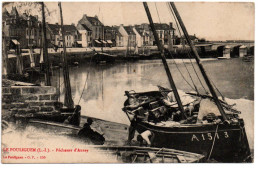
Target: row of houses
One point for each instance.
(89, 32)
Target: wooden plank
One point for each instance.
(181, 159)
(55, 124)
(153, 157)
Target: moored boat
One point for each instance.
(225, 142)
(213, 129)
(67, 110)
(100, 58)
(122, 153)
(137, 154)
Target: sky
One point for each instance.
(210, 20)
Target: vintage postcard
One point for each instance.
(127, 82)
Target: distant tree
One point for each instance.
(202, 40)
(30, 8)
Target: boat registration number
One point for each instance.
(209, 136)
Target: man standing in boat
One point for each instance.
(146, 138)
(188, 102)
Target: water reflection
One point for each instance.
(103, 96)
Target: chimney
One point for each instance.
(171, 25)
(56, 23)
(96, 16)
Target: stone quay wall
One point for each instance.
(28, 100)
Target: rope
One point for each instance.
(213, 143)
(85, 82)
(174, 60)
(196, 73)
(190, 77)
(157, 12)
(181, 73)
(59, 78)
(223, 98)
(189, 55)
(173, 15)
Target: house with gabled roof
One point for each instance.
(22, 28)
(97, 28)
(131, 36)
(55, 36)
(85, 35)
(110, 33)
(165, 32)
(124, 35)
(119, 39)
(142, 36)
(128, 34)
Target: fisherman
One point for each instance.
(189, 103)
(146, 138)
(87, 132)
(132, 101)
(131, 129)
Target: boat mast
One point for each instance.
(45, 49)
(197, 58)
(160, 48)
(5, 70)
(68, 97)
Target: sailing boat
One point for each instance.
(222, 137)
(67, 111)
(101, 57)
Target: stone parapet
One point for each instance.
(29, 99)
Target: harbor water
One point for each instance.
(99, 89)
(103, 95)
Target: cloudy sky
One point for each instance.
(210, 20)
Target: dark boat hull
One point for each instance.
(71, 115)
(230, 144)
(100, 58)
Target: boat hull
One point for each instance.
(228, 144)
(101, 58)
(136, 154)
(71, 115)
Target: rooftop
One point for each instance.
(85, 27)
(93, 20)
(54, 28)
(162, 26)
(129, 30)
(68, 29)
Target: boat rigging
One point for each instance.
(217, 134)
